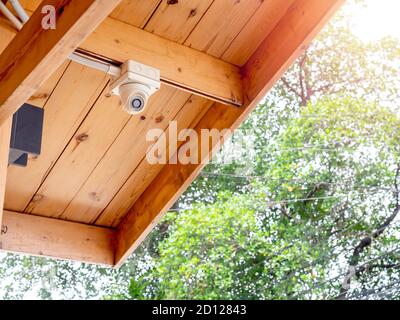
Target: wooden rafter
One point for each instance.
(5, 135)
(35, 53)
(27, 61)
(59, 239)
(281, 47)
(180, 66)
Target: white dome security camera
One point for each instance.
(135, 86)
(134, 97)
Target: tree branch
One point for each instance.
(290, 87)
(396, 185)
(303, 85)
(367, 241)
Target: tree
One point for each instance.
(337, 63)
(331, 186)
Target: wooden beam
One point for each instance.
(301, 24)
(35, 53)
(281, 47)
(46, 237)
(5, 135)
(7, 34)
(180, 66)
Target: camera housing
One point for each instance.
(135, 85)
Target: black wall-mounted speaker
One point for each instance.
(26, 134)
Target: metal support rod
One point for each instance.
(88, 61)
(10, 16)
(19, 10)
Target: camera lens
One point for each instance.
(137, 103)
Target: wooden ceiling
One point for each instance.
(92, 169)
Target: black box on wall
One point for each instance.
(26, 134)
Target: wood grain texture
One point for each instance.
(7, 34)
(187, 117)
(82, 154)
(42, 95)
(290, 37)
(176, 20)
(221, 24)
(135, 12)
(255, 31)
(65, 109)
(140, 179)
(180, 66)
(35, 53)
(5, 135)
(123, 156)
(45, 237)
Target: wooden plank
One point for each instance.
(5, 135)
(82, 154)
(140, 179)
(45, 237)
(30, 5)
(39, 99)
(7, 34)
(135, 12)
(180, 66)
(35, 53)
(66, 108)
(42, 95)
(188, 116)
(296, 29)
(221, 24)
(255, 31)
(107, 178)
(123, 156)
(176, 20)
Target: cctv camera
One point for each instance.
(135, 86)
(134, 97)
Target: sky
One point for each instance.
(380, 18)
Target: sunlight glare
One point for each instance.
(380, 18)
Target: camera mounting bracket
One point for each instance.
(132, 71)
